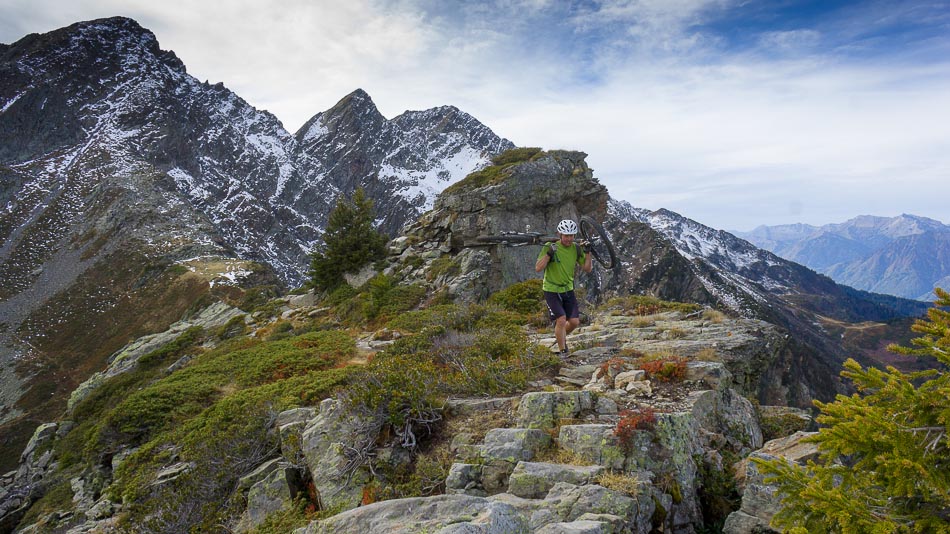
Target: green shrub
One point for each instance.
(380, 299)
(524, 297)
(172, 351)
(256, 297)
(387, 298)
(245, 363)
(223, 442)
(517, 155)
(236, 326)
(444, 265)
(450, 316)
(340, 295)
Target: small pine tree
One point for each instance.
(349, 243)
(885, 455)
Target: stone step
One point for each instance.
(594, 443)
(533, 480)
(543, 409)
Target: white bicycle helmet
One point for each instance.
(567, 226)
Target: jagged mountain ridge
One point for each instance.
(107, 85)
(759, 271)
(402, 163)
(906, 256)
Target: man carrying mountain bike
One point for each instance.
(559, 259)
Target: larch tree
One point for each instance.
(349, 242)
(885, 458)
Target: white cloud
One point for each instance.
(786, 130)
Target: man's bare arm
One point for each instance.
(542, 263)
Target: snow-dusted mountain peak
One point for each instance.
(103, 102)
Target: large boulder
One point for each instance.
(594, 443)
(533, 195)
(501, 451)
(277, 490)
(546, 409)
(445, 514)
(533, 480)
(322, 445)
(761, 501)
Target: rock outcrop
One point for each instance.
(761, 501)
(531, 196)
(508, 482)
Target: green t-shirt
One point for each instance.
(559, 274)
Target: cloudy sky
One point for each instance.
(732, 112)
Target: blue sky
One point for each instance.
(733, 113)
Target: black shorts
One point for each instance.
(562, 304)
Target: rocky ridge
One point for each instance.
(510, 478)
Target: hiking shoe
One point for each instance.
(564, 354)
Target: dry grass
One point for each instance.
(644, 321)
(627, 484)
(675, 333)
(714, 316)
(479, 423)
(557, 455)
(708, 354)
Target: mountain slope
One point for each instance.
(910, 265)
(903, 255)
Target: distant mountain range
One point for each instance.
(906, 256)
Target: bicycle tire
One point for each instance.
(600, 246)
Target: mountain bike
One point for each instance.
(592, 235)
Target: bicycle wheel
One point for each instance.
(600, 247)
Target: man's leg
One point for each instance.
(556, 309)
(560, 332)
(571, 312)
(572, 324)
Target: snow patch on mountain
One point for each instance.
(743, 271)
(421, 187)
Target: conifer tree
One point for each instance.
(885, 457)
(349, 242)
